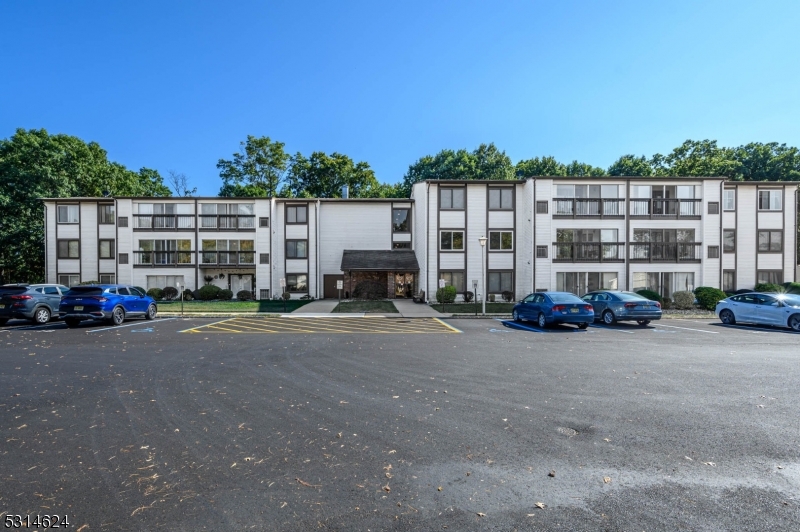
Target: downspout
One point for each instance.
(533, 235)
(316, 237)
(271, 255)
(721, 214)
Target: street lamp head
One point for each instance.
(482, 240)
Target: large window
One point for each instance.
(68, 214)
(163, 281)
(501, 198)
(586, 235)
(228, 252)
(401, 221)
(296, 214)
(451, 240)
(297, 249)
(500, 282)
(664, 191)
(664, 283)
(769, 276)
(69, 249)
(729, 199)
(454, 278)
(164, 252)
(770, 200)
(581, 282)
(729, 280)
(501, 240)
(770, 241)
(452, 198)
(587, 191)
(228, 216)
(69, 279)
(105, 214)
(106, 249)
(296, 282)
(663, 235)
(729, 240)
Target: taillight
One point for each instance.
(17, 298)
(630, 305)
(100, 299)
(588, 307)
(559, 308)
(658, 304)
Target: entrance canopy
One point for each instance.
(398, 260)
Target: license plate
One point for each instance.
(78, 307)
(573, 310)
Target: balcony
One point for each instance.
(588, 208)
(588, 251)
(163, 222)
(228, 259)
(227, 222)
(665, 208)
(152, 259)
(666, 251)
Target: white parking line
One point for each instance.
(611, 329)
(129, 325)
(686, 328)
(29, 327)
(513, 324)
(760, 331)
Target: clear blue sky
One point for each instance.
(177, 85)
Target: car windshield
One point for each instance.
(12, 289)
(790, 300)
(85, 291)
(565, 298)
(630, 296)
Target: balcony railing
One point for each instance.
(588, 251)
(163, 258)
(227, 258)
(163, 222)
(665, 208)
(666, 251)
(589, 208)
(227, 222)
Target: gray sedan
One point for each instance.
(612, 306)
(780, 310)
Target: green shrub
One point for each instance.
(792, 288)
(286, 296)
(768, 287)
(170, 293)
(666, 303)
(156, 293)
(683, 300)
(207, 292)
(508, 296)
(188, 295)
(649, 294)
(468, 296)
(708, 297)
(225, 295)
(244, 295)
(370, 290)
(446, 294)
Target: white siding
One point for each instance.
(107, 266)
(476, 227)
(298, 231)
(451, 261)
(710, 236)
(501, 219)
(790, 235)
(262, 241)
(50, 243)
(69, 266)
(524, 240)
(430, 282)
(311, 263)
(501, 261)
(544, 232)
(297, 266)
(451, 219)
(746, 237)
(770, 261)
(401, 237)
(125, 242)
(770, 220)
(421, 231)
(352, 226)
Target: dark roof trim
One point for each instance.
(379, 260)
(767, 183)
(475, 181)
(628, 178)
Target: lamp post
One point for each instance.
(482, 240)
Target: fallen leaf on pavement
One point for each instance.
(540, 505)
(607, 480)
(552, 473)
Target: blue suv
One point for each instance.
(35, 302)
(105, 302)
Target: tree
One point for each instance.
(180, 184)
(630, 165)
(579, 169)
(546, 166)
(767, 162)
(257, 170)
(697, 158)
(34, 165)
(323, 176)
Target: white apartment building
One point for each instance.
(545, 233)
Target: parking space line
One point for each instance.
(513, 324)
(129, 325)
(686, 328)
(611, 329)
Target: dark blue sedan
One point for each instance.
(546, 308)
(105, 302)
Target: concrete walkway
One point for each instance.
(405, 307)
(320, 306)
(409, 309)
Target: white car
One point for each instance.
(780, 310)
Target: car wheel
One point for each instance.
(583, 325)
(643, 322)
(541, 320)
(72, 322)
(151, 312)
(794, 322)
(609, 318)
(727, 317)
(41, 315)
(118, 316)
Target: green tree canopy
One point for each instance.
(35, 164)
(630, 165)
(323, 176)
(545, 166)
(257, 170)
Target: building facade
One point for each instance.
(546, 233)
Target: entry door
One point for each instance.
(241, 282)
(329, 286)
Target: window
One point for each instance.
(69, 280)
(769, 276)
(729, 199)
(106, 249)
(297, 282)
(164, 252)
(122, 221)
(163, 281)
(68, 214)
(451, 198)
(663, 235)
(263, 293)
(296, 214)
(665, 284)
(729, 240)
(451, 240)
(713, 252)
(586, 235)
(263, 222)
(541, 207)
(263, 258)
(770, 241)
(713, 207)
(587, 191)
(297, 249)
(541, 252)
(770, 200)
(581, 282)
(105, 214)
(107, 278)
(501, 198)
(454, 279)
(123, 258)
(728, 280)
(69, 249)
(135, 291)
(501, 240)
(400, 221)
(401, 245)
(500, 282)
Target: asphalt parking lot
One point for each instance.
(486, 424)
